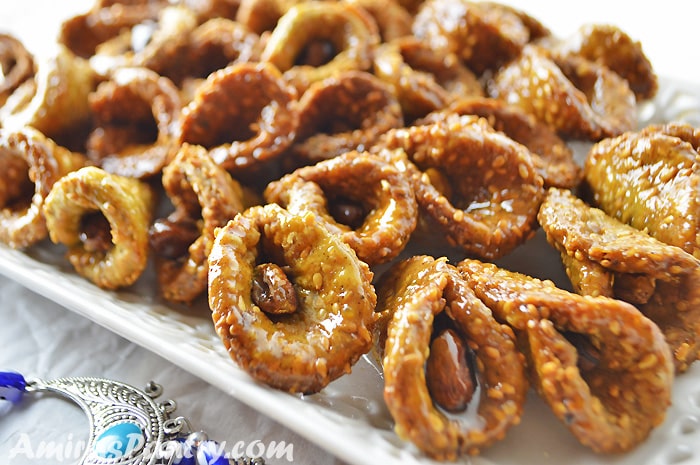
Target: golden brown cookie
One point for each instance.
(603, 368)
(605, 257)
(324, 334)
(440, 338)
(103, 219)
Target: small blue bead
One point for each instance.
(119, 441)
(211, 453)
(12, 386)
(184, 455)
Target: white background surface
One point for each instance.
(40, 338)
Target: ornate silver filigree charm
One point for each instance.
(127, 425)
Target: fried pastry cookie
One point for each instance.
(167, 42)
(31, 164)
(158, 44)
(205, 197)
(83, 33)
(605, 257)
(581, 99)
(603, 368)
(479, 186)
(214, 45)
(183, 43)
(424, 79)
(650, 180)
(291, 302)
(350, 32)
(261, 16)
(103, 219)
(55, 101)
(244, 114)
(136, 115)
(485, 35)
(441, 344)
(16, 65)
(357, 195)
(350, 111)
(608, 45)
(553, 158)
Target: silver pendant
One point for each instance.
(127, 426)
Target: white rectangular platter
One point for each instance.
(349, 418)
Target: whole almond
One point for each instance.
(448, 373)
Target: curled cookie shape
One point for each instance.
(55, 101)
(609, 46)
(650, 180)
(265, 259)
(602, 366)
(177, 44)
(103, 219)
(216, 44)
(364, 199)
(477, 184)
(424, 79)
(244, 114)
(205, 197)
(577, 97)
(343, 113)
(171, 45)
(167, 41)
(605, 257)
(261, 16)
(136, 114)
(83, 33)
(31, 164)
(347, 36)
(552, 157)
(441, 344)
(158, 44)
(484, 35)
(16, 65)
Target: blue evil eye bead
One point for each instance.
(181, 452)
(120, 440)
(211, 453)
(12, 386)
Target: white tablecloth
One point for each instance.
(40, 338)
